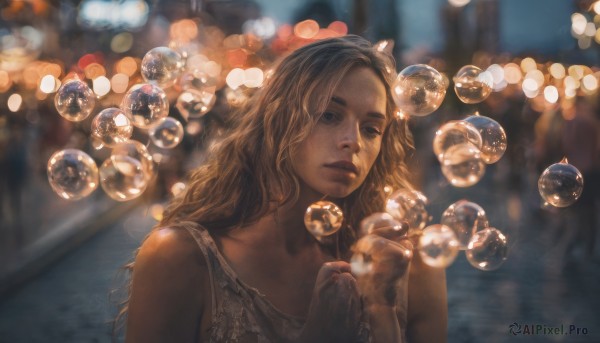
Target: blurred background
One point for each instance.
(60, 259)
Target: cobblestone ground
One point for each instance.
(538, 285)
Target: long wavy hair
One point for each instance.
(251, 168)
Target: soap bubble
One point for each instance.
(167, 133)
(453, 133)
(361, 262)
(561, 184)
(323, 218)
(74, 100)
(462, 165)
(383, 224)
(473, 85)
(111, 127)
(199, 80)
(408, 206)
(493, 137)
(438, 246)
(123, 177)
(145, 104)
(464, 218)
(72, 173)
(419, 89)
(487, 249)
(162, 66)
(193, 103)
(137, 151)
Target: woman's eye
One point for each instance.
(328, 117)
(373, 131)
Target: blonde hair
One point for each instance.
(251, 168)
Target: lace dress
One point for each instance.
(240, 313)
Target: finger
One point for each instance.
(395, 233)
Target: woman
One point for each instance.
(232, 260)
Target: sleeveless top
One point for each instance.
(240, 313)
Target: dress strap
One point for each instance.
(202, 244)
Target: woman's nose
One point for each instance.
(350, 138)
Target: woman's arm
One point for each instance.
(170, 279)
(427, 303)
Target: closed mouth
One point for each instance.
(344, 165)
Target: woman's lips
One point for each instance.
(344, 166)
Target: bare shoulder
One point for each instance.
(169, 287)
(427, 303)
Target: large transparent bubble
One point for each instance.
(487, 249)
(408, 206)
(383, 224)
(145, 104)
(561, 184)
(167, 133)
(453, 133)
(136, 151)
(323, 218)
(74, 100)
(464, 218)
(72, 173)
(438, 246)
(419, 90)
(193, 103)
(123, 177)
(462, 165)
(473, 85)
(111, 127)
(492, 135)
(162, 66)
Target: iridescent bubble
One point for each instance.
(464, 218)
(361, 262)
(123, 177)
(492, 135)
(408, 206)
(438, 246)
(561, 184)
(193, 103)
(323, 218)
(111, 127)
(453, 133)
(383, 224)
(74, 100)
(72, 173)
(462, 165)
(197, 79)
(167, 133)
(419, 89)
(162, 66)
(145, 104)
(473, 85)
(487, 249)
(137, 151)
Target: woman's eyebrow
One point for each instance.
(342, 102)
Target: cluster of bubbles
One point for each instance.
(129, 170)
(465, 147)
(464, 226)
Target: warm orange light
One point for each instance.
(557, 71)
(512, 73)
(306, 29)
(14, 102)
(183, 30)
(339, 27)
(127, 66)
(5, 81)
(237, 57)
(94, 70)
(119, 83)
(528, 64)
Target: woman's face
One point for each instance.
(338, 154)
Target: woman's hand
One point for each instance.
(388, 257)
(335, 309)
